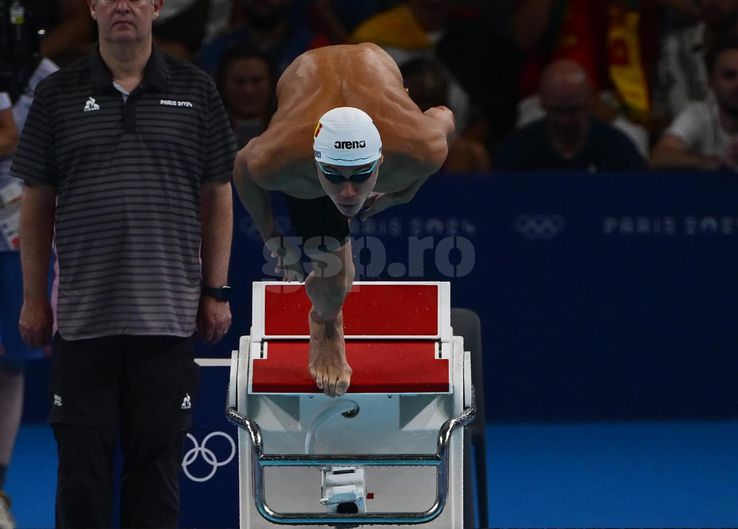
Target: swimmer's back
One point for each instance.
(363, 76)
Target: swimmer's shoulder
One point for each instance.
(289, 174)
(414, 144)
(280, 147)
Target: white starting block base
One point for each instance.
(385, 424)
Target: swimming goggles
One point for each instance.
(357, 178)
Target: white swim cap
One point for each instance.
(346, 136)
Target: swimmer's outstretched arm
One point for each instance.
(255, 199)
(439, 128)
(380, 201)
(444, 117)
(258, 203)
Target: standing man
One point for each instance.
(127, 157)
(342, 112)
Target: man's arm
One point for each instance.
(38, 207)
(672, 152)
(216, 211)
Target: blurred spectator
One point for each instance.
(181, 26)
(413, 29)
(13, 352)
(407, 28)
(11, 376)
(8, 131)
(56, 29)
(615, 41)
(427, 86)
(69, 30)
(219, 17)
(691, 27)
(246, 83)
(705, 134)
(268, 27)
(481, 64)
(568, 138)
(337, 19)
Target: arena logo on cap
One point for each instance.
(349, 144)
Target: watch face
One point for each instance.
(225, 293)
(220, 293)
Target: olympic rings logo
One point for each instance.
(207, 454)
(543, 227)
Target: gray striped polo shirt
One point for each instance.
(128, 177)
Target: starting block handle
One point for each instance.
(439, 460)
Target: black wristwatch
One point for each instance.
(220, 293)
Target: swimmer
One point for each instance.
(346, 140)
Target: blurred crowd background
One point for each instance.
(534, 84)
(619, 318)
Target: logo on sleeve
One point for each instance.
(90, 105)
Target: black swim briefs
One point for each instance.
(318, 217)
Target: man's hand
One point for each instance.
(327, 361)
(288, 256)
(35, 323)
(213, 319)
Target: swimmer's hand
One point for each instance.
(378, 202)
(288, 256)
(444, 117)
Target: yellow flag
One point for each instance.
(625, 65)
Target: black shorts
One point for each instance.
(132, 382)
(318, 218)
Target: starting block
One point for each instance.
(389, 451)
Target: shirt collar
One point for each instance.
(155, 78)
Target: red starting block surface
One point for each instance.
(369, 310)
(379, 366)
(394, 338)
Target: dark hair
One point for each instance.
(719, 46)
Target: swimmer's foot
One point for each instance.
(327, 361)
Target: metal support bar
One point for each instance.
(439, 460)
